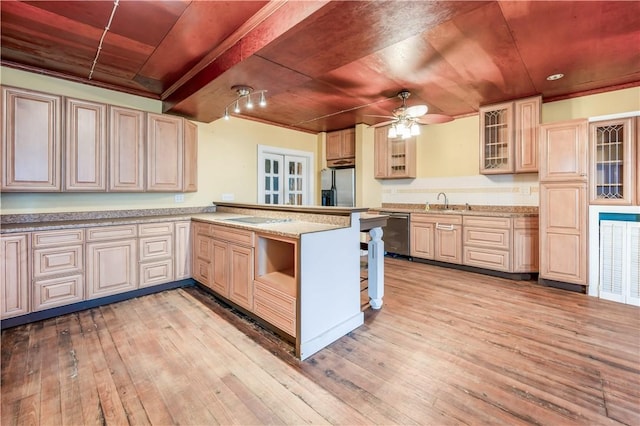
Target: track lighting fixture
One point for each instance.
(244, 98)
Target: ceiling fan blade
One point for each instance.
(435, 119)
(417, 110)
(384, 123)
(379, 116)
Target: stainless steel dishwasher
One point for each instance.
(396, 233)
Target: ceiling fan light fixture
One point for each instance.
(237, 107)
(406, 132)
(249, 103)
(393, 133)
(415, 129)
(263, 99)
(226, 113)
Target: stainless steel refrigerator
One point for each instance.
(338, 187)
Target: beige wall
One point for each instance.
(227, 155)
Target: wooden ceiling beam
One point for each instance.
(271, 22)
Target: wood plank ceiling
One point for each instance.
(328, 65)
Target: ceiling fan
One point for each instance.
(405, 121)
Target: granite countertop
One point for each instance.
(291, 228)
(491, 211)
(293, 224)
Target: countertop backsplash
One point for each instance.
(480, 190)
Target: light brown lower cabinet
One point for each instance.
(14, 275)
(233, 264)
(182, 252)
(436, 237)
(256, 272)
(155, 256)
(111, 260)
(58, 268)
(506, 244)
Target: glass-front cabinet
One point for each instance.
(612, 161)
(496, 139)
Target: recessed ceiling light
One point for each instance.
(555, 76)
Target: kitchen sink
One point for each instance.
(257, 220)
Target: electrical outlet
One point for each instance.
(228, 197)
(179, 198)
(526, 190)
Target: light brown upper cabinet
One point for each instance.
(509, 136)
(31, 141)
(341, 148)
(85, 151)
(612, 157)
(126, 149)
(168, 168)
(394, 158)
(563, 151)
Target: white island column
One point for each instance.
(375, 259)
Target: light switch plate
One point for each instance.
(179, 198)
(228, 197)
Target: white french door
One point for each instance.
(284, 176)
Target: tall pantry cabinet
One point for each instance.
(563, 201)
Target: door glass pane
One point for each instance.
(275, 199)
(275, 183)
(267, 198)
(275, 167)
(267, 183)
(267, 165)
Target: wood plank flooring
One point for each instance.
(448, 347)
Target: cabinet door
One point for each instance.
(31, 141)
(334, 145)
(526, 250)
(190, 173)
(241, 275)
(612, 155)
(348, 145)
(422, 240)
(14, 275)
(496, 139)
(220, 268)
(526, 137)
(182, 250)
(563, 151)
(380, 153)
(563, 230)
(111, 267)
(85, 152)
(126, 150)
(165, 153)
(448, 243)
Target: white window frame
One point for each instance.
(310, 187)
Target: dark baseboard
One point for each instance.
(93, 303)
(518, 276)
(562, 285)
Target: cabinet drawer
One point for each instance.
(485, 237)
(487, 222)
(161, 228)
(57, 292)
(156, 247)
(200, 228)
(154, 273)
(239, 236)
(448, 219)
(525, 223)
(498, 260)
(57, 238)
(276, 307)
(111, 232)
(62, 260)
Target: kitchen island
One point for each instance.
(295, 269)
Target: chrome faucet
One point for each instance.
(446, 201)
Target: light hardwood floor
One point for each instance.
(448, 347)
